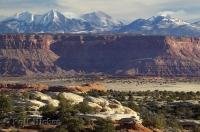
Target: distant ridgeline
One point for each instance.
(96, 22)
(67, 54)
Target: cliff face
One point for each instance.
(108, 54)
(26, 55)
(129, 55)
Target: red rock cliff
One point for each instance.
(26, 55)
(108, 54)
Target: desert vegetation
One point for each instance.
(165, 110)
(158, 110)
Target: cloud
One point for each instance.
(121, 9)
(177, 13)
(132, 9)
(9, 7)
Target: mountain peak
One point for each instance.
(98, 14)
(52, 16)
(23, 13)
(23, 16)
(166, 19)
(54, 12)
(159, 17)
(100, 19)
(161, 25)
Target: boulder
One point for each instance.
(35, 103)
(100, 101)
(72, 97)
(42, 96)
(53, 102)
(95, 106)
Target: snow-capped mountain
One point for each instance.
(19, 23)
(101, 21)
(162, 25)
(96, 22)
(23, 16)
(52, 16)
(54, 21)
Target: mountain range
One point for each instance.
(96, 22)
(55, 22)
(163, 25)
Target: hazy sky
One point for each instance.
(119, 9)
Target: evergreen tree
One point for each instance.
(5, 105)
(104, 126)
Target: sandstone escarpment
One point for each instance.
(26, 55)
(106, 54)
(129, 55)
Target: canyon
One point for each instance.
(110, 54)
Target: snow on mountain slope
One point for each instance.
(161, 25)
(96, 22)
(101, 20)
(22, 16)
(52, 16)
(19, 23)
(52, 21)
(196, 23)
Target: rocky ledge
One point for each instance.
(48, 54)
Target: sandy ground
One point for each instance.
(119, 84)
(178, 86)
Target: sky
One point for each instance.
(119, 9)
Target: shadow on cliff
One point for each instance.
(109, 55)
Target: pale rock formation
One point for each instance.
(36, 103)
(95, 106)
(103, 108)
(46, 99)
(72, 97)
(100, 101)
(111, 109)
(107, 110)
(41, 96)
(53, 102)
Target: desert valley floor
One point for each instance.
(118, 84)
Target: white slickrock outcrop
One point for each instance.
(36, 103)
(53, 102)
(45, 98)
(40, 95)
(72, 97)
(100, 101)
(111, 109)
(103, 108)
